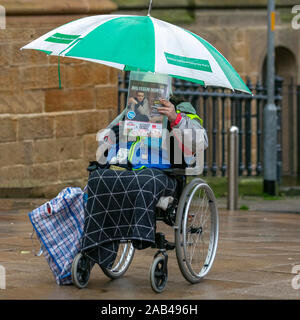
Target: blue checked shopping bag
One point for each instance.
(59, 226)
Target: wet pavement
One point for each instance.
(256, 254)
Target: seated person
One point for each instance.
(140, 106)
(121, 203)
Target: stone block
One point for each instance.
(69, 99)
(36, 127)
(239, 64)
(8, 129)
(40, 77)
(22, 102)
(25, 57)
(64, 60)
(42, 174)
(91, 122)
(104, 117)
(240, 49)
(9, 79)
(86, 74)
(16, 33)
(113, 76)
(106, 97)
(4, 54)
(58, 6)
(45, 150)
(64, 125)
(158, 4)
(222, 3)
(14, 153)
(73, 169)
(40, 24)
(4, 104)
(90, 146)
(113, 113)
(240, 35)
(69, 148)
(14, 176)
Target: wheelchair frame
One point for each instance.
(176, 216)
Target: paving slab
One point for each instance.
(256, 253)
(283, 204)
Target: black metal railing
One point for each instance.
(298, 129)
(220, 109)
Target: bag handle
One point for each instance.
(33, 250)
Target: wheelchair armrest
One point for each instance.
(197, 169)
(189, 171)
(175, 171)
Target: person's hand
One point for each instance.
(167, 109)
(132, 100)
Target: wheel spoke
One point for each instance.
(122, 261)
(196, 244)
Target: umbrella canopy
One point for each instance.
(141, 43)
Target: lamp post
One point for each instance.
(270, 112)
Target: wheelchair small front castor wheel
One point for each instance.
(81, 269)
(159, 273)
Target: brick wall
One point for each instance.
(47, 134)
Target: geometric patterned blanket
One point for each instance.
(121, 206)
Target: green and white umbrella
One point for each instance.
(141, 43)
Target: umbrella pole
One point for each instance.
(150, 7)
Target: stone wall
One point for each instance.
(47, 134)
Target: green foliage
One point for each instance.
(248, 186)
(268, 197)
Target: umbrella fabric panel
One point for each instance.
(178, 54)
(123, 40)
(141, 43)
(153, 44)
(76, 29)
(235, 80)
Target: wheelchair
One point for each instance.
(193, 215)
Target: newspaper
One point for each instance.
(142, 118)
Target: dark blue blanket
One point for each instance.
(121, 206)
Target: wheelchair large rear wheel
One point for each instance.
(196, 232)
(122, 261)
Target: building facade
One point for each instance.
(48, 135)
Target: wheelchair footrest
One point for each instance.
(162, 243)
(170, 245)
